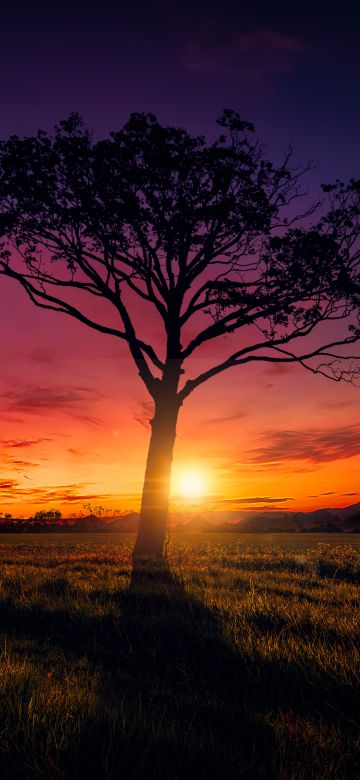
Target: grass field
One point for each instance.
(238, 660)
(290, 541)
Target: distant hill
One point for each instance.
(198, 523)
(341, 520)
(267, 521)
(90, 523)
(348, 511)
(351, 522)
(124, 523)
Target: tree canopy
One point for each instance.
(153, 217)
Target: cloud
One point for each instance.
(36, 400)
(316, 446)
(227, 418)
(22, 442)
(336, 404)
(279, 369)
(144, 413)
(40, 400)
(269, 508)
(8, 484)
(76, 492)
(254, 56)
(22, 463)
(88, 419)
(332, 493)
(67, 498)
(254, 500)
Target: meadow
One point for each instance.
(239, 658)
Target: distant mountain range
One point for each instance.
(341, 520)
(124, 523)
(338, 520)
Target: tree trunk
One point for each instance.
(155, 497)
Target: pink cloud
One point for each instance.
(315, 446)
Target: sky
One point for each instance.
(73, 413)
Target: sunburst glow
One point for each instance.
(190, 483)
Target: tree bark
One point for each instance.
(154, 511)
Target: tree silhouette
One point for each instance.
(44, 516)
(205, 237)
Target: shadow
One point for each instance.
(175, 697)
(188, 677)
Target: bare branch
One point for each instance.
(56, 304)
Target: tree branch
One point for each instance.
(56, 304)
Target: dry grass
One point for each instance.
(242, 662)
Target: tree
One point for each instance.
(205, 237)
(98, 511)
(46, 516)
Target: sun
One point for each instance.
(190, 483)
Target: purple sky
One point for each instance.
(71, 400)
(292, 68)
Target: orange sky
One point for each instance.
(74, 427)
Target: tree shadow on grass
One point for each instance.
(175, 698)
(196, 722)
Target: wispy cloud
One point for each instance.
(255, 500)
(227, 418)
(36, 400)
(143, 413)
(23, 442)
(22, 463)
(336, 404)
(74, 401)
(279, 369)
(256, 55)
(8, 484)
(76, 492)
(316, 446)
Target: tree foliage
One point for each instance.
(44, 516)
(206, 235)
